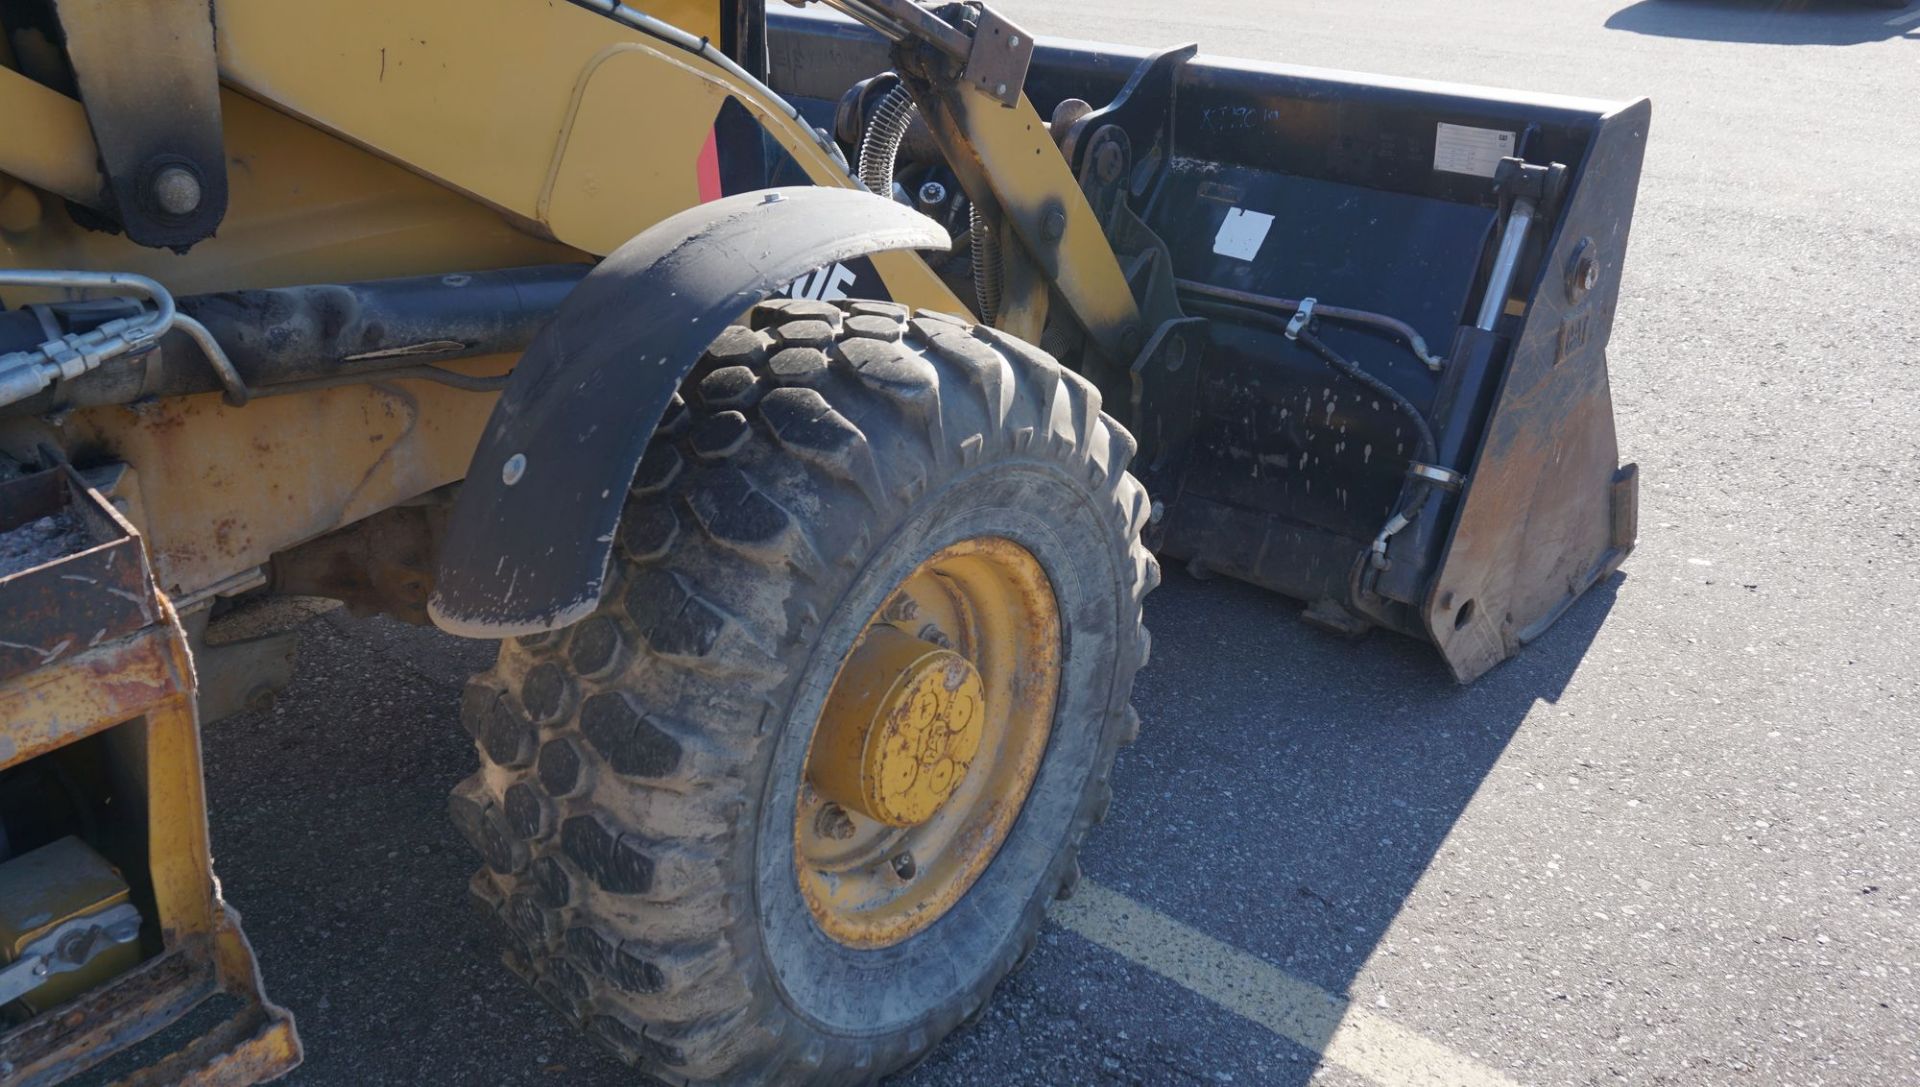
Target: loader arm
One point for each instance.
(971, 88)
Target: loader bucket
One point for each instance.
(1480, 236)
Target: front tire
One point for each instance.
(647, 797)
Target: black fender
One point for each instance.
(528, 541)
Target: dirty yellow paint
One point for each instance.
(540, 112)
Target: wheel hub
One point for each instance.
(901, 729)
(927, 742)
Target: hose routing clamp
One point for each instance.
(1300, 318)
(1433, 473)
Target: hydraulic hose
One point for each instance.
(987, 269)
(1423, 431)
(66, 357)
(280, 340)
(1416, 494)
(880, 154)
(1418, 490)
(880, 143)
(1289, 306)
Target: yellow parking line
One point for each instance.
(1358, 1040)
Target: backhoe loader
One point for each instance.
(803, 400)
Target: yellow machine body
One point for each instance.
(368, 142)
(365, 140)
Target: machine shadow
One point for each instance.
(1287, 793)
(1766, 22)
(1290, 789)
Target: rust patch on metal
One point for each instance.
(256, 1044)
(217, 492)
(142, 678)
(384, 564)
(71, 1039)
(79, 599)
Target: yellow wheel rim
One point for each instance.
(928, 742)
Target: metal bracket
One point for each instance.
(997, 57)
(998, 61)
(68, 947)
(1165, 375)
(1517, 178)
(151, 87)
(1298, 323)
(1532, 192)
(1433, 473)
(1143, 110)
(1118, 152)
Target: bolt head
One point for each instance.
(1175, 352)
(1054, 226)
(515, 468)
(176, 190)
(1583, 270)
(1013, 41)
(933, 193)
(904, 866)
(73, 946)
(834, 822)
(1000, 88)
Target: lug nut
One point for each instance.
(904, 866)
(834, 822)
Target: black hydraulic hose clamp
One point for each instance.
(1298, 323)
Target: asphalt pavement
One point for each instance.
(1674, 842)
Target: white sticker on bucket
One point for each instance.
(1460, 149)
(1241, 234)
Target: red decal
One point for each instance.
(708, 167)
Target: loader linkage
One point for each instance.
(1456, 251)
